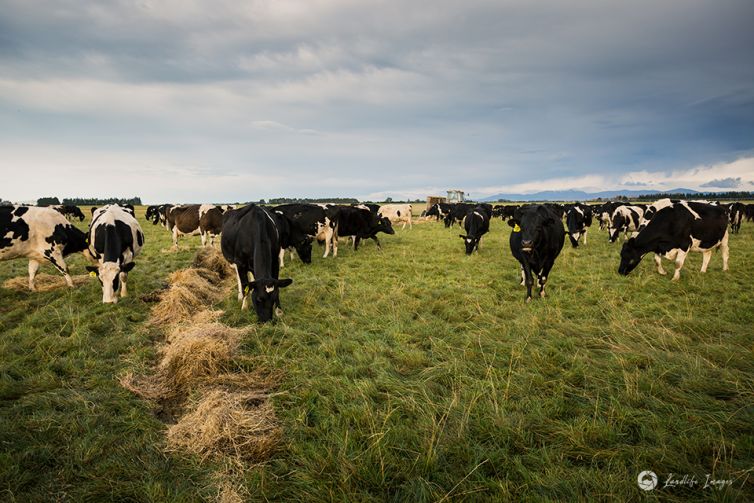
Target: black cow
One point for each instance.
(292, 237)
(477, 224)
(749, 212)
(251, 242)
(736, 213)
(316, 220)
(504, 211)
(115, 239)
(361, 223)
(676, 230)
(69, 211)
(578, 221)
(556, 208)
(457, 213)
(536, 241)
(38, 234)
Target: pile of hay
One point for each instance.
(191, 290)
(242, 425)
(44, 282)
(211, 258)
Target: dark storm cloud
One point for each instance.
(383, 96)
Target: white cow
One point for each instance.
(397, 213)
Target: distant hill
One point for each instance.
(580, 195)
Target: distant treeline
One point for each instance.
(714, 196)
(288, 200)
(93, 201)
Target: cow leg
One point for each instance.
(240, 285)
(377, 242)
(123, 287)
(529, 282)
(658, 262)
(356, 241)
(175, 236)
(725, 251)
(33, 268)
(523, 276)
(281, 257)
(204, 238)
(585, 231)
(680, 258)
(56, 259)
(243, 283)
(543, 277)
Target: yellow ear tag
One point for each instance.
(92, 274)
(516, 228)
(246, 290)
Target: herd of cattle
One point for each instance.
(254, 238)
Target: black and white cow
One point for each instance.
(69, 211)
(317, 221)
(251, 242)
(477, 224)
(157, 214)
(653, 208)
(736, 213)
(292, 237)
(361, 222)
(457, 213)
(125, 207)
(115, 239)
(192, 219)
(38, 234)
(605, 213)
(676, 230)
(626, 219)
(536, 241)
(504, 211)
(438, 210)
(578, 221)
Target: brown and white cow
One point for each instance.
(192, 219)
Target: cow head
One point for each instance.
(471, 242)
(265, 296)
(619, 221)
(304, 248)
(629, 257)
(108, 274)
(384, 225)
(530, 222)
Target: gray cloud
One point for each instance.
(724, 183)
(378, 96)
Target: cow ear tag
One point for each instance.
(93, 274)
(516, 228)
(246, 290)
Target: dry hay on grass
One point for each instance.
(194, 354)
(191, 291)
(237, 424)
(211, 258)
(44, 282)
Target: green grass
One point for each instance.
(417, 373)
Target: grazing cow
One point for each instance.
(251, 242)
(69, 211)
(157, 213)
(115, 239)
(676, 230)
(624, 218)
(361, 223)
(506, 212)
(578, 221)
(438, 210)
(38, 234)
(192, 219)
(316, 221)
(397, 213)
(736, 214)
(605, 212)
(292, 237)
(477, 224)
(536, 241)
(457, 213)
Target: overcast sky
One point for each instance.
(191, 101)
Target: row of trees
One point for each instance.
(88, 201)
(714, 196)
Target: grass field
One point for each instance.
(412, 374)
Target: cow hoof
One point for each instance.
(663, 273)
(542, 294)
(278, 312)
(528, 299)
(675, 278)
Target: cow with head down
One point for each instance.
(39, 234)
(115, 239)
